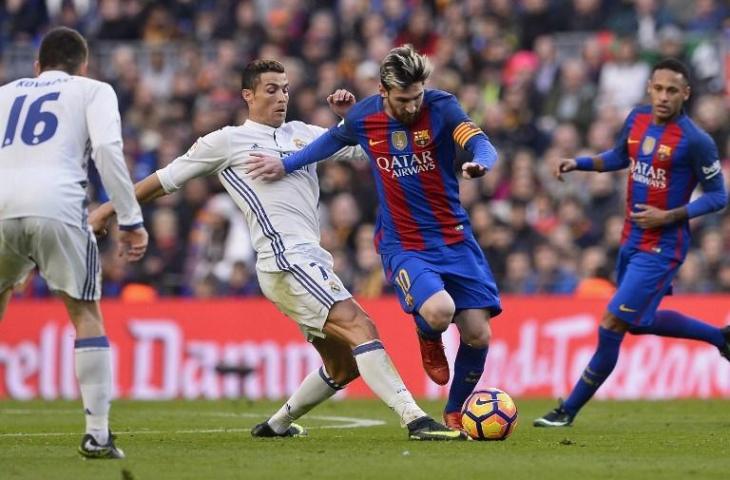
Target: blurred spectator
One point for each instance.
(119, 20)
(645, 18)
(26, 18)
(623, 79)
(241, 282)
(708, 15)
(163, 263)
(723, 277)
(518, 270)
(419, 32)
(571, 100)
(691, 277)
(549, 66)
(537, 18)
(595, 275)
(584, 15)
(549, 276)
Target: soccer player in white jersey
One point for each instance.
(50, 126)
(293, 270)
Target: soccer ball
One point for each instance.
(489, 415)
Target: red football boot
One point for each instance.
(434, 360)
(453, 420)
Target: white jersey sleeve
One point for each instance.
(104, 125)
(208, 155)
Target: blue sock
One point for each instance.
(598, 370)
(424, 329)
(668, 323)
(468, 368)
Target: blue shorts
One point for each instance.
(643, 279)
(460, 269)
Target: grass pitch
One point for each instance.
(358, 439)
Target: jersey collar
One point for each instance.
(53, 74)
(260, 127)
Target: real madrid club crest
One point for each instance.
(399, 139)
(421, 138)
(648, 146)
(299, 143)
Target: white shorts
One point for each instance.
(67, 256)
(303, 287)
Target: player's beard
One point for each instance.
(403, 116)
(408, 118)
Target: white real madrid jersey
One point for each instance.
(280, 215)
(49, 127)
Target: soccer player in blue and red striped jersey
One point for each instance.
(667, 155)
(423, 234)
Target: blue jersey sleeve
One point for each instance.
(344, 131)
(466, 134)
(708, 170)
(323, 147)
(618, 157)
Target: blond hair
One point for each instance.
(403, 67)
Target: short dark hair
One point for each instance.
(62, 48)
(674, 65)
(252, 72)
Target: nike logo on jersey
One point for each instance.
(372, 142)
(626, 309)
(632, 141)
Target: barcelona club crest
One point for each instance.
(664, 152)
(421, 138)
(648, 146)
(399, 139)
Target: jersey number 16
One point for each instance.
(31, 134)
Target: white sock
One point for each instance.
(93, 371)
(378, 372)
(315, 389)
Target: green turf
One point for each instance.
(176, 440)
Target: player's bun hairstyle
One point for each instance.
(402, 67)
(674, 65)
(64, 49)
(252, 72)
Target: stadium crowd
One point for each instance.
(545, 79)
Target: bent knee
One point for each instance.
(613, 323)
(439, 312)
(477, 339)
(343, 373)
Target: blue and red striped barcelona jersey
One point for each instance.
(665, 164)
(413, 166)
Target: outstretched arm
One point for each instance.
(605, 162)
(132, 243)
(270, 168)
(145, 190)
(485, 156)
